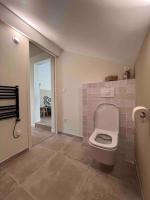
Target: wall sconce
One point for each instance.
(16, 39)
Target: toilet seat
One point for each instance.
(110, 146)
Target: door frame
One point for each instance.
(54, 96)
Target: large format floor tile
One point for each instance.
(57, 142)
(39, 135)
(7, 184)
(58, 179)
(104, 187)
(23, 166)
(19, 194)
(62, 167)
(78, 151)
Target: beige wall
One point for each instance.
(72, 71)
(142, 129)
(14, 65)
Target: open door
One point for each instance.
(42, 96)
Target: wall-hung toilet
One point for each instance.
(104, 139)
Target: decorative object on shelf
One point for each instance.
(111, 78)
(127, 74)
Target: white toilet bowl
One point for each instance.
(104, 139)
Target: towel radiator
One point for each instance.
(9, 111)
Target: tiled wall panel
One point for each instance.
(124, 98)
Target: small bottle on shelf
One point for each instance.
(126, 74)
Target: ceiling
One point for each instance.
(107, 29)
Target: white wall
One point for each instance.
(43, 71)
(44, 75)
(14, 67)
(72, 71)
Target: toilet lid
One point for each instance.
(104, 139)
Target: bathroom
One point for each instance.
(99, 149)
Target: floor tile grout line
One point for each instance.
(61, 151)
(43, 165)
(19, 186)
(22, 184)
(113, 177)
(33, 145)
(17, 181)
(109, 175)
(25, 187)
(28, 192)
(79, 188)
(13, 177)
(51, 136)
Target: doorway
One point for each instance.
(41, 94)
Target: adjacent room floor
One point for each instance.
(41, 131)
(44, 122)
(61, 168)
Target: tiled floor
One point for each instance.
(44, 122)
(39, 135)
(61, 168)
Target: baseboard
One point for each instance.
(139, 180)
(43, 126)
(71, 135)
(3, 162)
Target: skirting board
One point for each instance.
(139, 180)
(3, 162)
(71, 135)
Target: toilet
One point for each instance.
(104, 139)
